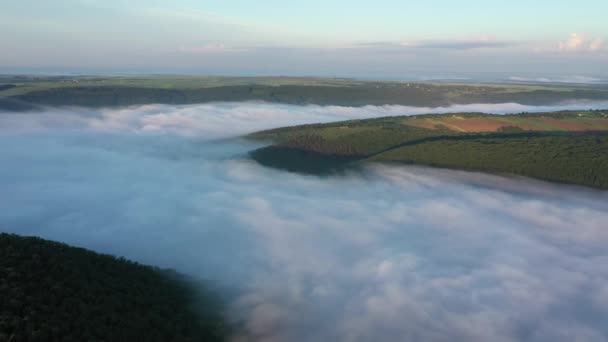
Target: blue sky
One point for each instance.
(380, 38)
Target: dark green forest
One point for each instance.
(50, 291)
(572, 158)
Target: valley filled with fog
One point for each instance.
(385, 253)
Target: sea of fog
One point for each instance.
(388, 253)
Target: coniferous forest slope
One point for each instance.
(53, 292)
(566, 147)
(29, 92)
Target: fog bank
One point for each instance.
(216, 120)
(386, 254)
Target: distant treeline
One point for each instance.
(357, 94)
(53, 292)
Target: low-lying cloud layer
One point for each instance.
(230, 119)
(387, 254)
(564, 79)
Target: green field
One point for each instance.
(27, 92)
(53, 292)
(566, 147)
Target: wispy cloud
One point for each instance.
(463, 44)
(210, 48)
(455, 44)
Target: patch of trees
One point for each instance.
(53, 292)
(302, 161)
(7, 86)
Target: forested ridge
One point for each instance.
(566, 156)
(50, 291)
(21, 93)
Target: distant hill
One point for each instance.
(125, 91)
(53, 292)
(568, 147)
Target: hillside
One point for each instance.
(30, 91)
(567, 147)
(54, 292)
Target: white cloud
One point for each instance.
(580, 42)
(596, 44)
(574, 42)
